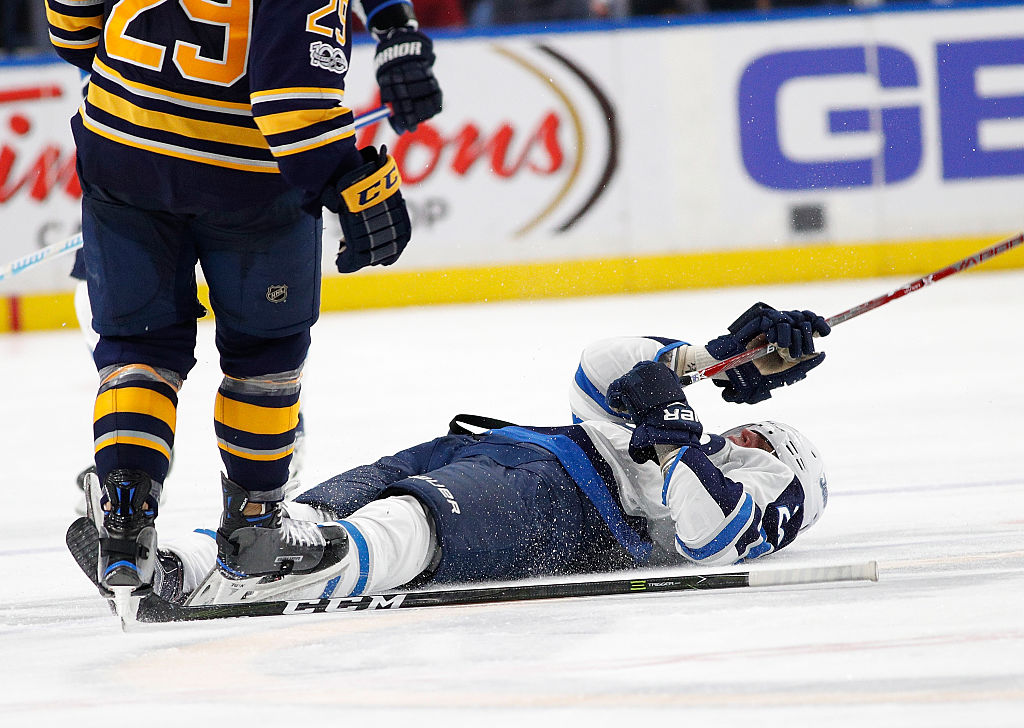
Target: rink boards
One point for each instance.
(640, 158)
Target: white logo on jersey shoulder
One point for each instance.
(328, 57)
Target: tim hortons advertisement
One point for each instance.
(524, 162)
(39, 193)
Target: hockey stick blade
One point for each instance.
(62, 248)
(916, 285)
(154, 609)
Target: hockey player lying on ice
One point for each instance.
(636, 482)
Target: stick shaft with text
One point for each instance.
(916, 285)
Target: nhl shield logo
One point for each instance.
(277, 294)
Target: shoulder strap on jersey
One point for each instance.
(462, 424)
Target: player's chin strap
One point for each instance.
(475, 424)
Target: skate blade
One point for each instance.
(219, 589)
(126, 606)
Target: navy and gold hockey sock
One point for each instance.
(255, 420)
(134, 419)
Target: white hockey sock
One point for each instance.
(198, 554)
(306, 512)
(390, 542)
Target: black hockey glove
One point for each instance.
(792, 331)
(374, 220)
(652, 396)
(405, 74)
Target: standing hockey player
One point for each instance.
(637, 482)
(216, 133)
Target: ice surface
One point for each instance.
(918, 412)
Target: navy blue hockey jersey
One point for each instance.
(212, 104)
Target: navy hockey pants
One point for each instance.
(502, 510)
(262, 265)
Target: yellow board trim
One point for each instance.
(136, 400)
(685, 271)
(255, 419)
(606, 276)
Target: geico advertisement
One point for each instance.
(903, 125)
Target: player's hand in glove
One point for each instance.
(374, 220)
(792, 332)
(652, 396)
(405, 74)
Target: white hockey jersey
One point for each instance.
(715, 504)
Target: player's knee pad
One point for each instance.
(244, 355)
(171, 348)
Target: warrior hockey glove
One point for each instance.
(652, 396)
(405, 74)
(374, 220)
(791, 331)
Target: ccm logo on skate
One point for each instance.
(345, 604)
(867, 129)
(440, 489)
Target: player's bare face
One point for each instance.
(749, 438)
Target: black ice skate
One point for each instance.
(83, 542)
(124, 510)
(269, 543)
(267, 553)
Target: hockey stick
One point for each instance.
(154, 609)
(968, 262)
(57, 250)
(83, 543)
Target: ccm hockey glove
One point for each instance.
(374, 220)
(405, 73)
(791, 331)
(652, 396)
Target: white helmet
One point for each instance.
(791, 447)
